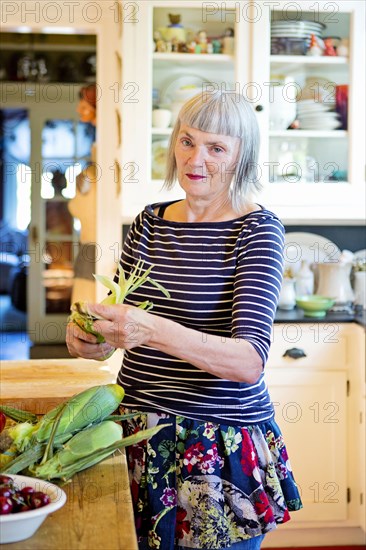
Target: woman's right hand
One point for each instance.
(82, 344)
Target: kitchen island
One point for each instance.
(97, 515)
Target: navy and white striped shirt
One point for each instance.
(224, 279)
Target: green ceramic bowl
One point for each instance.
(314, 305)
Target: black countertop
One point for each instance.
(297, 316)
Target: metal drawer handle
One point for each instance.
(294, 353)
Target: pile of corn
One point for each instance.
(71, 437)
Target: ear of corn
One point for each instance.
(19, 415)
(88, 448)
(88, 407)
(21, 434)
(81, 316)
(82, 446)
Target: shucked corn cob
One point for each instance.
(71, 437)
(88, 448)
(80, 314)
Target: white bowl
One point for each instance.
(22, 525)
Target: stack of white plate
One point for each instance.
(296, 29)
(314, 115)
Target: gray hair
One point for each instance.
(225, 113)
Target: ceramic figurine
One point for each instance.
(329, 48)
(216, 45)
(202, 41)
(343, 48)
(191, 47)
(175, 30)
(228, 42)
(314, 48)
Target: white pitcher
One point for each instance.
(334, 282)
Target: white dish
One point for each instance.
(22, 525)
(326, 127)
(172, 85)
(298, 24)
(310, 247)
(315, 106)
(360, 255)
(331, 115)
(159, 155)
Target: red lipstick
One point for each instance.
(195, 177)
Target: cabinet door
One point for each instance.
(311, 412)
(60, 149)
(318, 161)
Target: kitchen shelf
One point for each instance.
(60, 48)
(307, 60)
(308, 134)
(183, 58)
(293, 64)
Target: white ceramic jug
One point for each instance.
(287, 298)
(334, 281)
(282, 108)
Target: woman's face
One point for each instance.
(205, 162)
(86, 112)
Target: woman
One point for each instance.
(218, 476)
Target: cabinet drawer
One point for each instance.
(323, 345)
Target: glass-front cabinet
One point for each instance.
(298, 63)
(186, 48)
(306, 61)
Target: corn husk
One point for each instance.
(84, 319)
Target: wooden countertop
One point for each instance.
(97, 515)
(38, 385)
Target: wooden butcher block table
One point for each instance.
(39, 385)
(98, 512)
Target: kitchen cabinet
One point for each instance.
(164, 73)
(315, 173)
(329, 172)
(319, 403)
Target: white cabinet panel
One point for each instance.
(311, 411)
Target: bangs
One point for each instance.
(215, 116)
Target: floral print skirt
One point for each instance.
(202, 485)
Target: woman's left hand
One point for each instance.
(123, 326)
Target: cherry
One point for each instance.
(6, 491)
(5, 480)
(6, 505)
(38, 499)
(27, 491)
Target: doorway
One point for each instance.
(44, 148)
